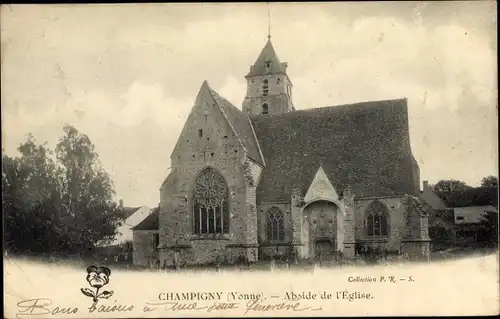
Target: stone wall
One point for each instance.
(396, 207)
(277, 104)
(252, 177)
(207, 140)
(276, 84)
(408, 230)
(416, 241)
(350, 220)
(277, 99)
(300, 233)
(268, 251)
(416, 250)
(263, 209)
(145, 254)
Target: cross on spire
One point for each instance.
(269, 22)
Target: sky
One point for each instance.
(128, 75)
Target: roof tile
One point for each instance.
(267, 55)
(150, 222)
(241, 125)
(126, 212)
(364, 146)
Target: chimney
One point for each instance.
(121, 203)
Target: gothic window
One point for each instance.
(265, 109)
(275, 225)
(265, 87)
(210, 204)
(377, 220)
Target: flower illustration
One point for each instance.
(97, 277)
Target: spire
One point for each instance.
(267, 62)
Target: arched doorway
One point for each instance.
(320, 217)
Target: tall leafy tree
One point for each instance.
(490, 181)
(444, 188)
(57, 203)
(88, 209)
(29, 197)
(489, 224)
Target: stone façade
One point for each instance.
(208, 140)
(320, 168)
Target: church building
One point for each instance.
(272, 180)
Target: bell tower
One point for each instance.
(269, 90)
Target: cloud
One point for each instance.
(234, 90)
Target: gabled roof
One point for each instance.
(126, 212)
(479, 196)
(365, 146)
(241, 126)
(267, 55)
(150, 222)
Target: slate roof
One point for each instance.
(150, 222)
(126, 212)
(364, 146)
(478, 196)
(267, 54)
(241, 125)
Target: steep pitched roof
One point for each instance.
(238, 122)
(126, 212)
(478, 196)
(241, 125)
(364, 146)
(267, 55)
(150, 222)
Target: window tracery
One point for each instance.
(210, 207)
(275, 225)
(377, 217)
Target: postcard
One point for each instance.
(250, 159)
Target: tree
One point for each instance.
(445, 187)
(60, 204)
(86, 192)
(489, 223)
(29, 192)
(490, 181)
